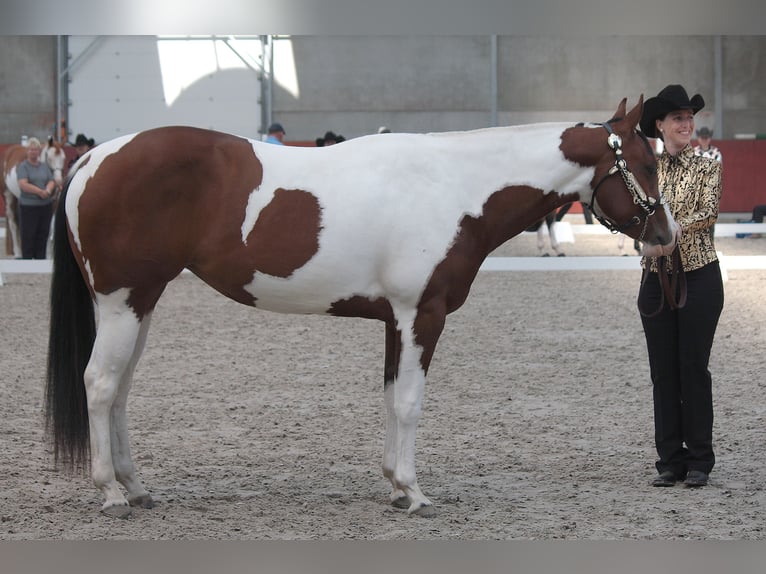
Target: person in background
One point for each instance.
(330, 138)
(81, 146)
(704, 146)
(276, 134)
(35, 203)
(679, 341)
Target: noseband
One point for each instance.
(648, 204)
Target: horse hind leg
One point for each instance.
(107, 381)
(541, 241)
(12, 239)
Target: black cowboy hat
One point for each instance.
(276, 127)
(704, 132)
(80, 140)
(329, 136)
(670, 98)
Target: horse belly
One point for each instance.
(307, 293)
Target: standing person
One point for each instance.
(36, 202)
(81, 146)
(704, 146)
(276, 134)
(679, 341)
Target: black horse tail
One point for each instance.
(70, 342)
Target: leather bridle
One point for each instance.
(672, 278)
(648, 204)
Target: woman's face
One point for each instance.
(677, 128)
(33, 153)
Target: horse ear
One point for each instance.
(634, 115)
(620, 113)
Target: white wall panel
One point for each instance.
(123, 84)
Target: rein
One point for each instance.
(648, 204)
(671, 287)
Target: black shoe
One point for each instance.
(695, 478)
(666, 478)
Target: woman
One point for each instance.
(679, 341)
(35, 203)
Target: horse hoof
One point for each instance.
(424, 511)
(120, 511)
(143, 501)
(401, 502)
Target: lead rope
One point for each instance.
(670, 287)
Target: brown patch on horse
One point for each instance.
(506, 213)
(170, 198)
(585, 155)
(286, 234)
(364, 307)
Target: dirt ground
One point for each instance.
(537, 418)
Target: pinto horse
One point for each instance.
(391, 227)
(53, 154)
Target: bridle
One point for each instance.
(648, 204)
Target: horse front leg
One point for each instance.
(417, 340)
(393, 347)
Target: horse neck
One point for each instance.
(528, 160)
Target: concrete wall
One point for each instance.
(354, 84)
(27, 87)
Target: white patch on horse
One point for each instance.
(380, 190)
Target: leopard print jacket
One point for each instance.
(691, 185)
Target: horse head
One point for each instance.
(55, 157)
(624, 193)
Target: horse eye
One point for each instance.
(651, 169)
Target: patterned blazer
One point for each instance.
(692, 186)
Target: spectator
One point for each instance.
(329, 138)
(276, 134)
(81, 146)
(704, 147)
(35, 203)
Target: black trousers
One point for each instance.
(678, 343)
(34, 228)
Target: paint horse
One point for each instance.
(391, 227)
(53, 154)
